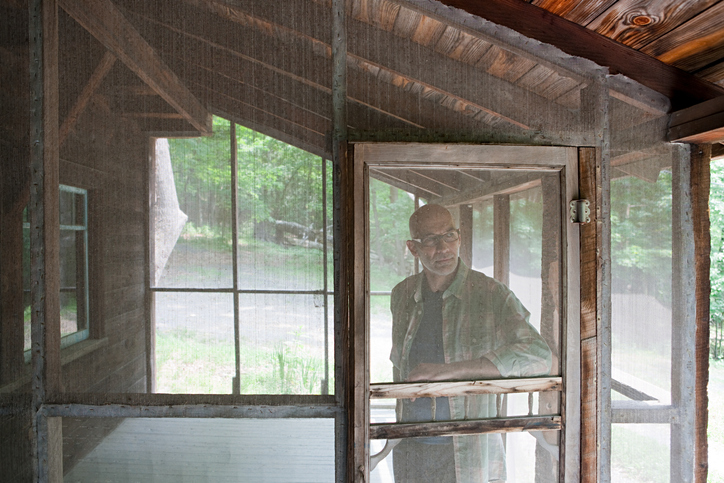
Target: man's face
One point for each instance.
(442, 258)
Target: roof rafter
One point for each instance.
(105, 22)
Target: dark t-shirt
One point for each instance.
(427, 348)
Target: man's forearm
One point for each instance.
(475, 369)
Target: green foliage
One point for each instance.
(716, 216)
(390, 209)
(189, 362)
(641, 236)
(638, 456)
(276, 181)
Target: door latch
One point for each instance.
(580, 211)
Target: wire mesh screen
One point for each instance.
(220, 450)
(498, 217)
(256, 324)
(643, 349)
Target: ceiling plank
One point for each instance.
(296, 61)
(364, 53)
(581, 12)
(682, 88)
(693, 45)
(105, 22)
(637, 23)
(100, 72)
(700, 124)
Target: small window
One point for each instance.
(73, 268)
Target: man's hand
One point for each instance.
(457, 371)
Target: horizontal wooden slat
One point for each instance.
(694, 44)
(624, 20)
(702, 123)
(465, 388)
(450, 428)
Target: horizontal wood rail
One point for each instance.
(465, 388)
(449, 428)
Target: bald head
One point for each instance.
(427, 217)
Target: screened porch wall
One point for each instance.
(651, 248)
(415, 72)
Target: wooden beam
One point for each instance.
(367, 56)
(450, 428)
(700, 124)
(700, 186)
(501, 235)
(100, 72)
(105, 22)
(682, 88)
(465, 388)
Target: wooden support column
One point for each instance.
(44, 235)
(501, 234)
(13, 197)
(550, 329)
(683, 333)
(700, 185)
(466, 234)
(350, 347)
(590, 241)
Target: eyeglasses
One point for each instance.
(433, 240)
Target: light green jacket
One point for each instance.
(481, 318)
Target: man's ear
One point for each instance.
(412, 247)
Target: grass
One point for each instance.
(715, 429)
(189, 363)
(639, 456)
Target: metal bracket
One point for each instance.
(580, 211)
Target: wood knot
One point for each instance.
(641, 20)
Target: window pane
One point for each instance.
(640, 453)
(219, 450)
(192, 197)
(281, 215)
(521, 457)
(641, 288)
(194, 343)
(283, 345)
(509, 225)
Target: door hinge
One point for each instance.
(580, 211)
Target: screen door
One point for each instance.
(468, 317)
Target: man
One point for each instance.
(452, 323)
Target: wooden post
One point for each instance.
(683, 333)
(501, 234)
(466, 234)
(589, 282)
(350, 443)
(150, 257)
(700, 185)
(44, 234)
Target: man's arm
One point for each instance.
(471, 370)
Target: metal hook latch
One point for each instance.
(580, 211)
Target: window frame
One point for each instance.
(81, 335)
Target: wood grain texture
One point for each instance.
(700, 185)
(450, 428)
(684, 89)
(693, 45)
(581, 12)
(624, 20)
(465, 388)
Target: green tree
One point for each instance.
(716, 216)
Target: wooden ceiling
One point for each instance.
(413, 68)
(687, 34)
